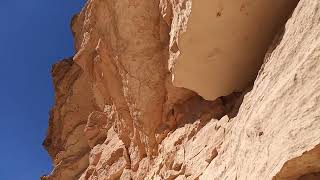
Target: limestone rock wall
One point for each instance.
(119, 115)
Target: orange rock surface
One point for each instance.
(170, 89)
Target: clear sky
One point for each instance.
(34, 34)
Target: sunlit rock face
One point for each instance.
(224, 43)
(117, 114)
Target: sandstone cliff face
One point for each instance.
(161, 90)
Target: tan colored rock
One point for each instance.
(126, 63)
(117, 114)
(65, 141)
(98, 125)
(279, 119)
(217, 47)
(305, 167)
(107, 160)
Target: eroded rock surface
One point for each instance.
(279, 118)
(118, 115)
(65, 141)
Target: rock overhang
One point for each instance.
(224, 44)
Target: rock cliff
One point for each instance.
(182, 89)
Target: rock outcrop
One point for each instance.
(214, 37)
(170, 89)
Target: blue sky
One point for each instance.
(34, 34)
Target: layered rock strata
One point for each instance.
(118, 115)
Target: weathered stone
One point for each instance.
(118, 115)
(217, 47)
(279, 119)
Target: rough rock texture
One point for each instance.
(280, 118)
(65, 141)
(117, 114)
